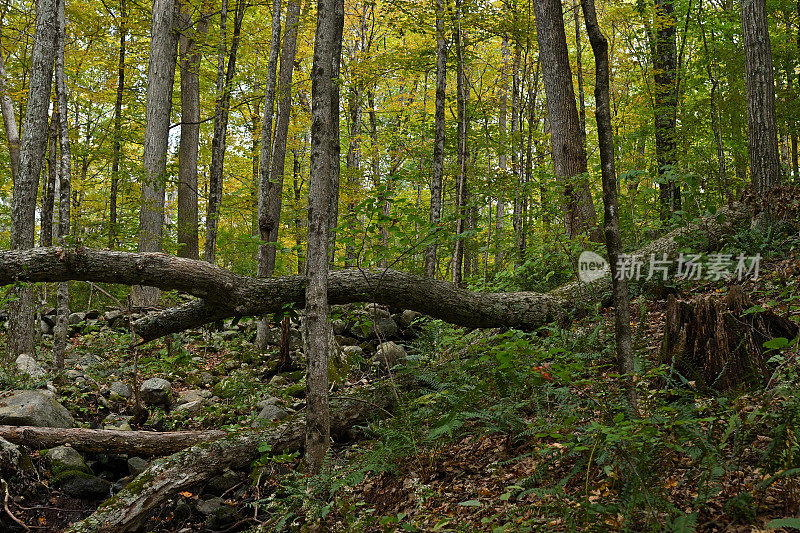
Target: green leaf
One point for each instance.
(778, 343)
(793, 523)
(471, 503)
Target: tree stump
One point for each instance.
(711, 342)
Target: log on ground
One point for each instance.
(145, 443)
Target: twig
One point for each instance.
(5, 506)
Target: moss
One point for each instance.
(296, 391)
(64, 475)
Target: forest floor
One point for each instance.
(495, 431)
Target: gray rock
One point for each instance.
(76, 318)
(272, 400)
(408, 317)
(206, 379)
(376, 311)
(210, 506)
(33, 408)
(188, 396)
(278, 380)
(136, 465)
(190, 408)
(64, 458)
(385, 328)
(352, 351)
(114, 421)
(111, 316)
(9, 457)
(389, 354)
(120, 389)
(156, 391)
(89, 487)
(339, 326)
(28, 365)
(45, 328)
(270, 413)
(220, 484)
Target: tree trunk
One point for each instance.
(324, 172)
(65, 173)
(219, 140)
(274, 192)
(160, 77)
(437, 165)
(117, 145)
(502, 158)
(461, 183)
(297, 187)
(9, 119)
(762, 130)
(32, 151)
(665, 60)
(49, 186)
(191, 467)
(579, 71)
(569, 156)
(353, 163)
(622, 315)
(147, 443)
(191, 55)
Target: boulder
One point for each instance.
(33, 408)
(63, 458)
(28, 365)
(120, 422)
(192, 395)
(120, 389)
(76, 318)
(190, 408)
(376, 311)
(156, 391)
(408, 317)
(136, 465)
(389, 354)
(86, 487)
(270, 413)
(9, 457)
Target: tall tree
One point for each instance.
(762, 129)
(461, 182)
(190, 56)
(665, 66)
(502, 157)
(117, 144)
(274, 192)
(605, 134)
(324, 172)
(221, 115)
(569, 155)
(49, 185)
(65, 172)
(9, 118)
(437, 170)
(160, 77)
(32, 150)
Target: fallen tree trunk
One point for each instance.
(193, 466)
(145, 443)
(224, 294)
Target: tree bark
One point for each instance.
(219, 140)
(437, 165)
(193, 466)
(569, 156)
(605, 134)
(148, 443)
(324, 179)
(9, 120)
(665, 61)
(461, 183)
(65, 174)
(502, 158)
(762, 130)
(188, 239)
(32, 150)
(160, 77)
(49, 186)
(117, 145)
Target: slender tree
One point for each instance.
(65, 172)
(605, 134)
(32, 150)
(117, 144)
(461, 183)
(190, 56)
(324, 171)
(9, 117)
(437, 170)
(569, 155)
(160, 77)
(49, 185)
(502, 157)
(762, 129)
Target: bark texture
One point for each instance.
(32, 151)
(9, 120)
(322, 189)
(148, 443)
(762, 129)
(160, 77)
(461, 182)
(117, 145)
(569, 154)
